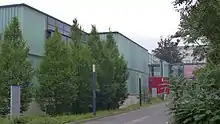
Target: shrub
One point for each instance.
(196, 102)
(47, 120)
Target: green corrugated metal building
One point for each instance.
(37, 26)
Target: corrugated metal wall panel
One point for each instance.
(34, 30)
(6, 15)
(137, 59)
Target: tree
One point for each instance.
(121, 75)
(114, 74)
(199, 25)
(120, 72)
(107, 89)
(81, 55)
(95, 45)
(57, 91)
(15, 69)
(168, 50)
(1, 42)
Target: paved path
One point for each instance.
(153, 115)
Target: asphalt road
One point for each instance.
(156, 114)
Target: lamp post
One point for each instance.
(140, 96)
(93, 90)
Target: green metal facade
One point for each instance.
(137, 60)
(6, 15)
(34, 25)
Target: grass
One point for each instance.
(74, 118)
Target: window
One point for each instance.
(48, 34)
(67, 28)
(59, 24)
(66, 33)
(60, 30)
(50, 27)
(51, 21)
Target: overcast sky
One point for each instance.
(144, 21)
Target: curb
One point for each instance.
(101, 117)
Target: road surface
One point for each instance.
(155, 114)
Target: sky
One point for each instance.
(143, 21)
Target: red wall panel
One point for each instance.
(161, 83)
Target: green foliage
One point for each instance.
(95, 45)
(200, 26)
(113, 76)
(15, 69)
(168, 50)
(196, 102)
(1, 42)
(81, 57)
(45, 121)
(58, 90)
(121, 76)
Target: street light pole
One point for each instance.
(140, 95)
(93, 90)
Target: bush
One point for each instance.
(196, 102)
(5, 121)
(45, 121)
(20, 120)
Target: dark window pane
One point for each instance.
(51, 21)
(59, 24)
(50, 27)
(48, 34)
(67, 28)
(60, 30)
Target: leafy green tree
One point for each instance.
(121, 75)
(95, 45)
(82, 59)
(114, 74)
(120, 72)
(15, 69)
(198, 101)
(200, 26)
(1, 42)
(57, 91)
(168, 50)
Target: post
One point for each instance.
(93, 90)
(161, 68)
(140, 94)
(15, 102)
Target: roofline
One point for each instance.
(25, 5)
(30, 7)
(116, 32)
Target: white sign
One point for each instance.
(154, 92)
(15, 105)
